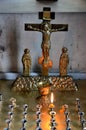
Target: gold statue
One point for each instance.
(46, 44)
(46, 28)
(64, 61)
(26, 61)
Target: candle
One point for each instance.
(6, 128)
(25, 107)
(83, 123)
(52, 97)
(24, 121)
(11, 107)
(52, 113)
(51, 106)
(39, 107)
(69, 128)
(65, 107)
(23, 128)
(10, 115)
(77, 101)
(78, 104)
(25, 114)
(81, 114)
(66, 115)
(8, 121)
(68, 123)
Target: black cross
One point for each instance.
(47, 15)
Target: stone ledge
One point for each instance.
(13, 76)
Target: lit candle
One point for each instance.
(52, 97)
(52, 113)
(51, 106)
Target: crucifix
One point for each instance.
(46, 28)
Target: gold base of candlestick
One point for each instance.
(44, 90)
(51, 106)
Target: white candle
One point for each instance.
(52, 98)
(51, 106)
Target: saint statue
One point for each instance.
(26, 61)
(64, 61)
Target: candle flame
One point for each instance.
(52, 97)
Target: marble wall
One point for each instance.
(14, 39)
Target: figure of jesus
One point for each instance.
(46, 29)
